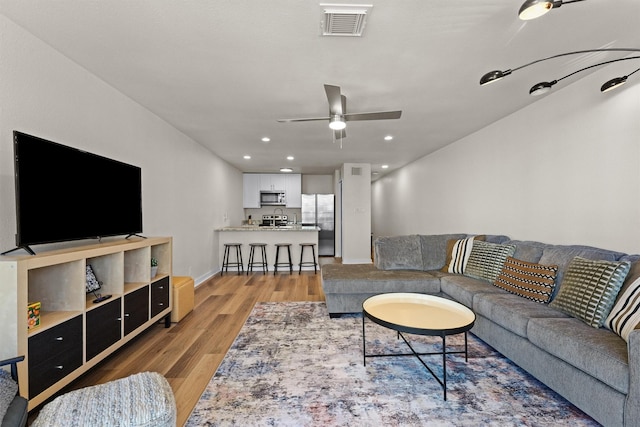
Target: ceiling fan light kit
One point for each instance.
(337, 123)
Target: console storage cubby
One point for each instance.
(75, 333)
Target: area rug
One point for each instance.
(291, 365)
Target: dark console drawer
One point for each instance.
(59, 339)
(103, 327)
(47, 373)
(159, 296)
(53, 354)
(136, 309)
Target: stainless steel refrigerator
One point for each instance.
(319, 210)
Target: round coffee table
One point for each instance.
(419, 314)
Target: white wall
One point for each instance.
(187, 190)
(317, 184)
(356, 214)
(565, 170)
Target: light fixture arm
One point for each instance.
(543, 87)
(496, 75)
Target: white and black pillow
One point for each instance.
(625, 314)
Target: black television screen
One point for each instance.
(63, 193)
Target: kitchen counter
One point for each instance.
(270, 228)
(246, 234)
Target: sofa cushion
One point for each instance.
(589, 289)
(463, 288)
(366, 279)
(527, 279)
(434, 249)
(458, 252)
(510, 311)
(486, 260)
(598, 352)
(528, 250)
(625, 315)
(398, 253)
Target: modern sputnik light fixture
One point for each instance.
(543, 87)
(532, 9)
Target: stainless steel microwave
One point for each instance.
(272, 198)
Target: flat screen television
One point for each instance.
(63, 193)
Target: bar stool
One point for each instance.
(252, 262)
(288, 263)
(225, 259)
(313, 263)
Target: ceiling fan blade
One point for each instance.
(344, 104)
(310, 119)
(380, 115)
(335, 99)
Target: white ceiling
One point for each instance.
(224, 71)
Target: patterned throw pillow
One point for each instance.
(486, 260)
(625, 315)
(458, 252)
(528, 279)
(589, 289)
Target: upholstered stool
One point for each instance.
(183, 297)
(313, 263)
(289, 263)
(225, 259)
(263, 263)
(143, 399)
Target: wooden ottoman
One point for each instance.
(140, 400)
(183, 297)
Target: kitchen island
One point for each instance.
(294, 234)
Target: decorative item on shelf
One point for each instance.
(544, 87)
(532, 9)
(154, 267)
(93, 285)
(33, 315)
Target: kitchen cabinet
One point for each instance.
(293, 189)
(251, 190)
(272, 182)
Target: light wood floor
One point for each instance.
(189, 352)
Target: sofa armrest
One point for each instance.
(632, 406)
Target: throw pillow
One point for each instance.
(486, 260)
(458, 252)
(589, 289)
(625, 315)
(528, 279)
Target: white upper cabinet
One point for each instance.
(293, 189)
(251, 190)
(272, 182)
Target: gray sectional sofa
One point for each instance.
(594, 368)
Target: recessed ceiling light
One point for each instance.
(388, 138)
(374, 173)
(266, 139)
(385, 166)
(246, 157)
(286, 170)
(290, 157)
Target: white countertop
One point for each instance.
(258, 228)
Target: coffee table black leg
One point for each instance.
(364, 350)
(466, 353)
(444, 365)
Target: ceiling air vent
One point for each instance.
(344, 19)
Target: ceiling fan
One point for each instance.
(338, 115)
